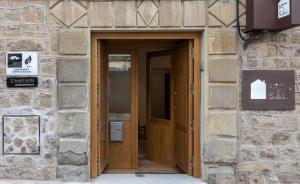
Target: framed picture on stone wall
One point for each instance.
(21, 134)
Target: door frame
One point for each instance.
(196, 37)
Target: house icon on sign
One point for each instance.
(259, 90)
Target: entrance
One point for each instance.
(145, 92)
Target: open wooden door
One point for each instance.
(159, 126)
(99, 107)
(182, 94)
(102, 107)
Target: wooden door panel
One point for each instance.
(159, 139)
(182, 80)
(120, 152)
(181, 155)
(102, 92)
(124, 154)
(158, 144)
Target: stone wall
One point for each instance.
(268, 149)
(238, 146)
(26, 26)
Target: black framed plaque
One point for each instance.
(268, 90)
(21, 82)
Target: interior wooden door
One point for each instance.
(182, 79)
(159, 126)
(102, 106)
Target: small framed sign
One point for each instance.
(284, 7)
(21, 63)
(21, 82)
(268, 89)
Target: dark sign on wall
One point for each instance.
(21, 82)
(268, 90)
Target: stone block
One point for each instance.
(102, 14)
(248, 153)
(268, 50)
(252, 136)
(194, 13)
(2, 45)
(213, 21)
(19, 3)
(48, 66)
(147, 14)
(21, 99)
(70, 158)
(223, 69)
(124, 13)
(170, 13)
(43, 100)
(4, 100)
(33, 15)
(50, 141)
(13, 15)
(39, 3)
(297, 98)
(72, 96)
(281, 138)
(224, 97)
(220, 150)
(2, 14)
(83, 22)
(72, 124)
(295, 34)
(222, 41)
(72, 42)
(25, 173)
(77, 146)
(26, 45)
(47, 83)
(2, 74)
(221, 175)
(68, 12)
(225, 12)
(72, 173)
(72, 70)
(54, 41)
(5, 3)
(222, 124)
(12, 30)
(269, 122)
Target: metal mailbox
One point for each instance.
(272, 15)
(116, 131)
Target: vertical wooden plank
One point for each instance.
(197, 106)
(191, 102)
(94, 113)
(103, 128)
(134, 108)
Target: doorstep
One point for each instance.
(124, 179)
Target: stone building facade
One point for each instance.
(237, 146)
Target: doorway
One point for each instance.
(145, 90)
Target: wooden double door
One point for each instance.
(170, 139)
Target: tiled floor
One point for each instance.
(125, 179)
